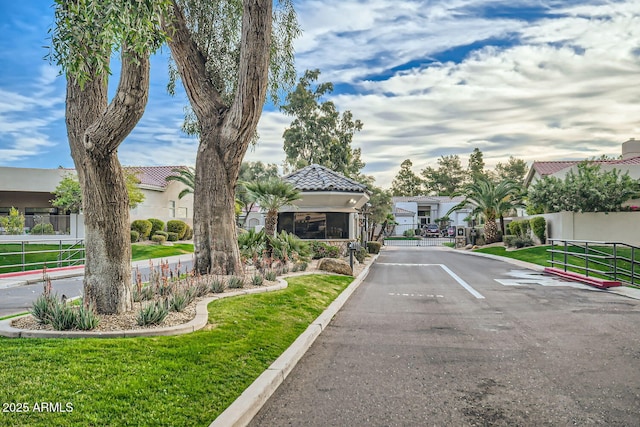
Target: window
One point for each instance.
(315, 225)
(172, 208)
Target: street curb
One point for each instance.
(247, 405)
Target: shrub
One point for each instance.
(134, 236)
(156, 225)
(374, 247)
(257, 280)
(409, 233)
(14, 223)
(86, 318)
(159, 238)
(539, 226)
(143, 227)
(144, 294)
(522, 242)
(153, 313)
(235, 282)
(172, 237)
(62, 316)
(177, 226)
(319, 250)
(514, 228)
(42, 308)
(300, 266)
(361, 254)
(179, 301)
(333, 251)
(508, 239)
(43, 228)
(270, 275)
(188, 235)
(161, 233)
(217, 285)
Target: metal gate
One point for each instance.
(421, 242)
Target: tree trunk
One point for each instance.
(225, 130)
(490, 230)
(95, 130)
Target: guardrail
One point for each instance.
(26, 255)
(610, 260)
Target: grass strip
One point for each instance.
(140, 252)
(185, 380)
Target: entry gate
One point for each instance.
(422, 241)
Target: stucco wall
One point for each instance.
(598, 226)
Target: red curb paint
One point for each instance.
(33, 272)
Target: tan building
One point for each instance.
(31, 191)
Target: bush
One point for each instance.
(179, 301)
(177, 226)
(44, 228)
(508, 239)
(361, 254)
(172, 237)
(14, 223)
(522, 242)
(374, 247)
(159, 238)
(143, 227)
(134, 236)
(409, 233)
(161, 233)
(188, 235)
(63, 317)
(270, 275)
(42, 308)
(235, 282)
(539, 226)
(217, 285)
(333, 251)
(514, 228)
(153, 313)
(257, 280)
(322, 250)
(86, 318)
(156, 225)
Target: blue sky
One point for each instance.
(536, 79)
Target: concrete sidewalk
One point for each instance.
(10, 280)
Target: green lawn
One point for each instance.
(140, 251)
(539, 255)
(536, 254)
(185, 380)
(47, 254)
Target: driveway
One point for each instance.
(435, 337)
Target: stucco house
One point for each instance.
(329, 207)
(413, 212)
(31, 190)
(629, 162)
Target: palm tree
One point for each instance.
(187, 177)
(491, 200)
(272, 195)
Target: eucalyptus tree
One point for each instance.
(85, 35)
(319, 133)
(227, 55)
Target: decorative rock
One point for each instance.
(333, 265)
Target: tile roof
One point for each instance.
(400, 211)
(549, 168)
(153, 175)
(319, 178)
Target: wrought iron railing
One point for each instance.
(25, 255)
(609, 260)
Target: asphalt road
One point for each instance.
(19, 299)
(414, 347)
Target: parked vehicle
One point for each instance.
(451, 231)
(431, 230)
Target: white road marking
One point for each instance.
(526, 278)
(455, 277)
(393, 294)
